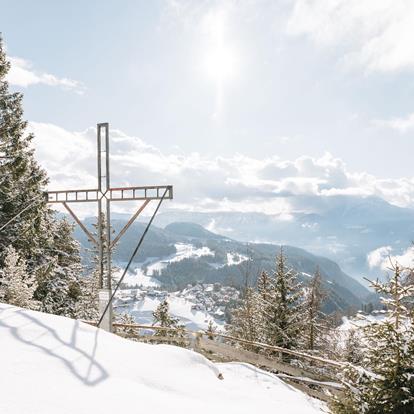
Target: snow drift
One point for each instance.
(50, 364)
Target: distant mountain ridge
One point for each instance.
(343, 228)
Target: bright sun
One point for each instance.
(220, 62)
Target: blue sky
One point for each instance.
(241, 102)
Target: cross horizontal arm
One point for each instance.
(140, 193)
(113, 194)
(72, 196)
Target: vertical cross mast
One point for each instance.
(104, 240)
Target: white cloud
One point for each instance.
(374, 34)
(22, 74)
(384, 258)
(401, 125)
(237, 183)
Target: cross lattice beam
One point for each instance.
(112, 194)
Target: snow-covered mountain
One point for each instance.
(50, 364)
(343, 228)
(186, 253)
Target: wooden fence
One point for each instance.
(311, 374)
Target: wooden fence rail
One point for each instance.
(318, 381)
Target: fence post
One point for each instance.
(195, 341)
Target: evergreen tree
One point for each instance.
(127, 319)
(87, 307)
(60, 287)
(164, 319)
(352, 351)
(244, 318)
(210, 330)
(31, 230)
(265, 288)
(386, 384)
(283, 311)
(17, 286)
(314, 320)
(22, 182)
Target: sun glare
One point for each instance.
(219, 62)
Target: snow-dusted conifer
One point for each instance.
(210, 330)
(88, 308)
(352, 351)
(17, 286)
(22, 182)
(315, 325)
(163, 318)
(60, 287)
(127, 319)
(385, 384)
(283, 311)
(244, 317)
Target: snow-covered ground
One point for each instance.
(51, 364)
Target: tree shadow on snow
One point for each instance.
(95, 372)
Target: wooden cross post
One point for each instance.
(104, 195)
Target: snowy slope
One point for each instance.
(142, 273)
(51, 364)
(179, 307)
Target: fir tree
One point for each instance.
(34, 234)
(127, 319)
(17, 286)
(283, 311)
(22, 181)
(87, 307)
(265, 288)
(210, 330)
(60, 287)
(386, 383)
(352, 352)
(314, 320)
(164, 319)
(244, 318)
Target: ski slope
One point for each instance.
(142, 273)
(50, 364)
(181, 308)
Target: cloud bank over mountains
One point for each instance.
(386, 256)
(238, 183)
